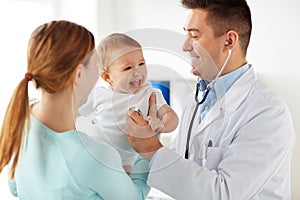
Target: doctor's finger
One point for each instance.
(135, 130)
(152, 105)
(137, 118)
(131, 127)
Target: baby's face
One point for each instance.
(128, 73)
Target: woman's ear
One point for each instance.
(78, 74)
(106, 77)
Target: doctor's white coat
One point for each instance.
(252, 139)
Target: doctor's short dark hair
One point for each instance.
(226, 15)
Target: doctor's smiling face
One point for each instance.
(127, 73)
(205, 49)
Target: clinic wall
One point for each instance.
(273, 50)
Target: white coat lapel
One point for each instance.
(239, 90)
(229, 103)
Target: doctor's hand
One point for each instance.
(140, 135)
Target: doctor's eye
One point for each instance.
(195, 37)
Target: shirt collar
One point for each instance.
(224, 83)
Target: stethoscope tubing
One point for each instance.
(186, 155)
(209, 86)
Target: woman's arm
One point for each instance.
(103, 172)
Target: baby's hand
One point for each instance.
(156, 124)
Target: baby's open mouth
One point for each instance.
(136, 83)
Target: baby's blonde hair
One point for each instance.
(113, 46)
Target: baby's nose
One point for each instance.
(136, 72)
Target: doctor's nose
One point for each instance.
(187, 45)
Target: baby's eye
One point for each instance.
(128, 68)
(141, 63)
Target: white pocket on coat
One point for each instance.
(214, 157)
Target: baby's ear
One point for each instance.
(105, 76)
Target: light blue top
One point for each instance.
(70, 165)
(221, 86)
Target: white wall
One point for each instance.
(273, 50)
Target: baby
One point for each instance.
(123, 85)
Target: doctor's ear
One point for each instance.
(232, 38)
(106, 77)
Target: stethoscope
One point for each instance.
(198, 103)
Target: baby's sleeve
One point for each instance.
(160, 100)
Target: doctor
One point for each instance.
(241, 138)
